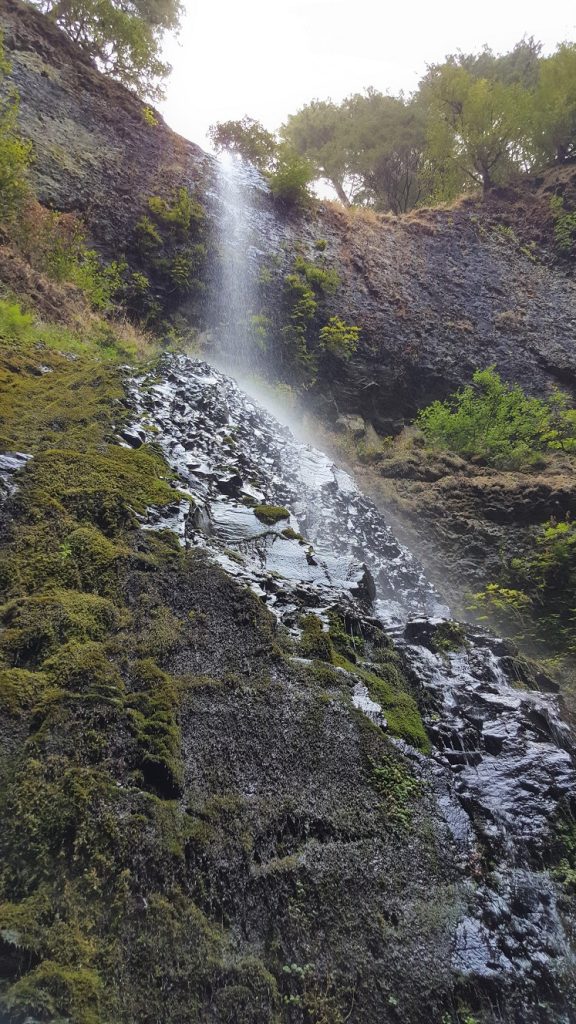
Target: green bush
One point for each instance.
(15, 326)
(339, 338)
(290, 178)
(55, 244)
(168, 246)
(499, 424)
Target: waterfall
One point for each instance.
(500, 764)
(236, 298)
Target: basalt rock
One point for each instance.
(436, 294)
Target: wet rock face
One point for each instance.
(466, 521)
(436, 295)
(501, 761)
(94, 152)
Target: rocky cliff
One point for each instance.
(251, 772)
(436, 294)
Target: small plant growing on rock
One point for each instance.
(339, 338)
(315, 642)
(15, 152)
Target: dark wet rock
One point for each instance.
(10, 464)
(501, 763)
(231, 485)
(135, 438)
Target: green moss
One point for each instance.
(35, 626)
(51, 990)
(388, 688)
(345, 640)
(326, 675)
(291, 534)
(20, 690)
(271, 513)
(448, 636)
(397, 786)
(84, 668)
(314, 642)
(75, 404)
(152, 717)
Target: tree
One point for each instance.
(123, 37)
(386, 140)
(478, 128)
(319, 133)
(290, 177)
(554, 116)
(247, 138)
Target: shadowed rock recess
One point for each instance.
(251, 769)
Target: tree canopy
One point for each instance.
(247, 138)
(475, 120)
(122, 36)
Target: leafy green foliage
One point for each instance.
(15, 152)
(247, 138)
(123, 37)
(15, 325)
(290, 177)
(475, 120)
(169, 249)
(535, 600)
(499, 424)
(475, 125)
(553, 134)
(55, 244)
(339, 338)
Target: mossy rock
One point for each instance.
(35, 626)
(20, 690)
(315, 642)
(271, 514)
(387, 686)
(448, 637)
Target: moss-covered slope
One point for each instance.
(194, 828)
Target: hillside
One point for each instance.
(252, 770)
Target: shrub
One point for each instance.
(15, 326)
(55, 243)
(168, 245)
(498, 423)
(339, 338)
(290, 178)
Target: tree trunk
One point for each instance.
(340, 192)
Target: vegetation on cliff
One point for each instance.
(499, 424)
(123, 38)
(475, 120)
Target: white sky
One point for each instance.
(267, 59)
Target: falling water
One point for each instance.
(236, 302)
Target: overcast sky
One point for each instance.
(268, 59)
